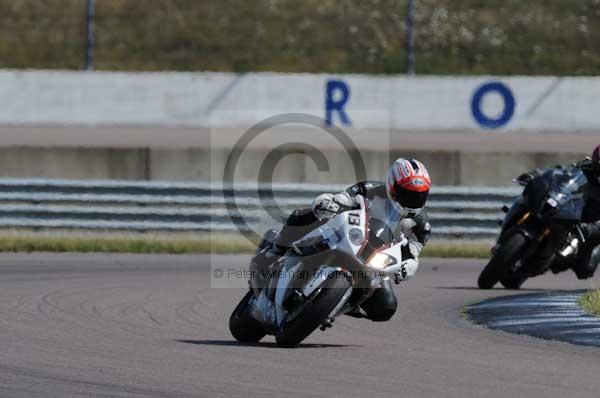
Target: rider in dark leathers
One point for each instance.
(585, 265)
(413, 223)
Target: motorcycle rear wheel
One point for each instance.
(315, 312)
(242, 326)
(506, 256)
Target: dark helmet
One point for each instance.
(592, 168)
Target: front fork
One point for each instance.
(539, 254)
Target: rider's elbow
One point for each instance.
(415, 248)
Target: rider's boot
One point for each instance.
(587, 262)
(561, 264)
(357, 313)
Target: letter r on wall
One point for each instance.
(337, 94)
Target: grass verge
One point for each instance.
(535, 37)
(461, 249)
(590, 302)
(201, 245)
(17, 244)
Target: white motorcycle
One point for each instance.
(327, 273)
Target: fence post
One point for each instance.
(410, 37)
(90, 36)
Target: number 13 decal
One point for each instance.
(354, 219)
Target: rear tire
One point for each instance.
(315, 312)
(506, 255)
(242, 326)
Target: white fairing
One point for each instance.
(284, 281)
(346, 232)
(319, 278)
(337, 230)
(396, 252)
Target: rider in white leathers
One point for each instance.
(410, 225)
(399, 202)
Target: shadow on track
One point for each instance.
(233, 343)
(495, 289)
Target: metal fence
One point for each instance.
(409, 8)
(314, 36)
(459, 212)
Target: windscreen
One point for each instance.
(384, 220)
(567, 188)
(571, 181)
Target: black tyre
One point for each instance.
(242, 326)
(506, 256)
(513, 281)
(315, 312)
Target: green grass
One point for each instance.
(120, 245)
(457, 250)
(351, 36)
(203, 245)
(590, 302)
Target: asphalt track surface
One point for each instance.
(152, 326)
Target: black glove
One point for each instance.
(526, 178)
(423, 228)
(585, 164)
(590, 230)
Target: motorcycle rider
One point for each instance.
(584, 265)
(404, 193)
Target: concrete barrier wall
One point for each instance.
(194, 99)
(157, 126)
(198, 164)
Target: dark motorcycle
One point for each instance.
(541, 231)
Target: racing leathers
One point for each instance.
(587, 259)
(586, 263)
(415, 227)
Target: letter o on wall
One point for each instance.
(507, 112)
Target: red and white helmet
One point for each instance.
(408, 186)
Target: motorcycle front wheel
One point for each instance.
(315, 312)
(513, 281)
(505, 257)
(242, 326)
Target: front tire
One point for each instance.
(315, 312)
(242, 326)
(506, 256)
